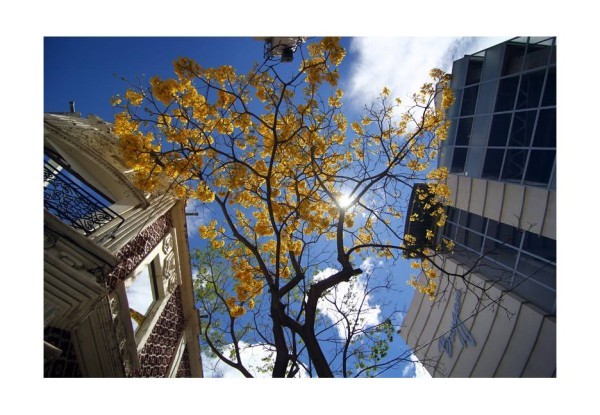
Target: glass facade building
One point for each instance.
(504, 129)
(504, 117)
(501, 216)
(521, 261)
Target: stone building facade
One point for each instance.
(118, 290)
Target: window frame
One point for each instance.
(166, 274)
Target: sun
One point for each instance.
(344, 201)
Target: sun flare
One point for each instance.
(344, 201)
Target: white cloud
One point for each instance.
(368, 266)
(254, 357)
(348, 297)
(193, 222)
(403, 63)
(415, 369)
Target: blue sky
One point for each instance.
(89, 71)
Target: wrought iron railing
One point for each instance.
(66, 197)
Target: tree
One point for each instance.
(297, 193)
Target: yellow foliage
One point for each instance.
(135, 98)
(278, 170)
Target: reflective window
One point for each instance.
(492, 164)
(473, 241)
(449, 231)
(463, 133)
(494, 271)
(458, 160)
(501, 253)
(541, 271)
(452, 214)
(528, 287)
(550, 88)
(463, 217)
(513, 59)
(545, 131)
(530, 89)
(507, 92)
(519, 260)
(141, 290)
(540, 166)
(469, 100)
(514, 165)
(474, 71)
(499, 130)
(460, 235)
(540, 245)
(537, 55)
(476, 223)
(522, 128)
(504, 233)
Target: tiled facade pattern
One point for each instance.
(184, 370)
(132, 254)
(158, 351)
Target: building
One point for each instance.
(118, 294)
(501, 155)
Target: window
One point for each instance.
(452, 214)
(542, 271)
(540, 245)
(449, 230)
(514, 165)
(550, 88)
(476, 223)
(142, 291)
(529, 288)
(507, 92)
(513, 59)
(540, 166)
(545, 131)
(520, 260)
(504, 233)
(473, 241)
(537, 55)
(474, 70)
(499, 130)
(469, 100)
(536, 281)
(458, 160)
(522, 128)
(463, 134)
(530, 90)
(149, 285)
(492, 164)
(501, 253)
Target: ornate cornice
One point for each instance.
(66, 137)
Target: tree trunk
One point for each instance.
(281, 355)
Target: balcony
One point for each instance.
(76, 203)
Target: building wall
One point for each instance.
(134, 252)
(87, 270)
(504, 116)
(158, 352)
(500, 152)
(527, 207)
(512, 339)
